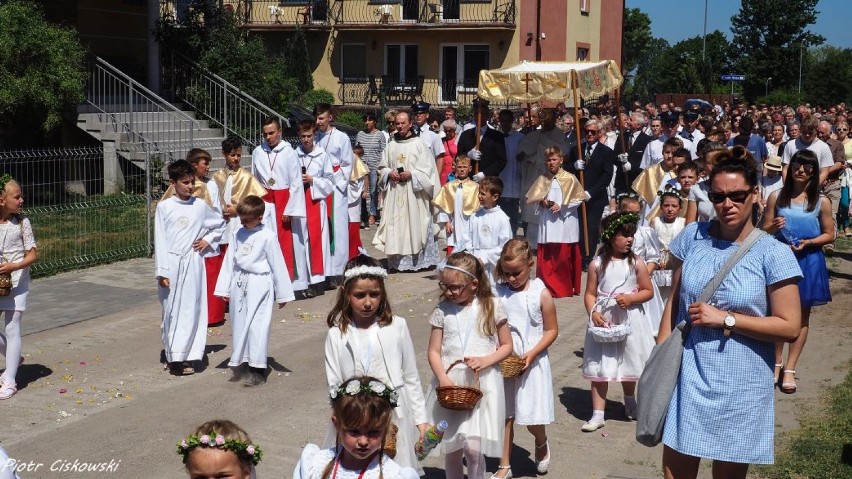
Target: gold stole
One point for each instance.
(446, 199)
(648, 182)
(201, 192)
(243, 184)
(571, 188)
(359, 169)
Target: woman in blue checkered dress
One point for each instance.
(723, 405)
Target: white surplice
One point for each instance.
(460, 238)
(562, 226)
(233, 224)
(255, 278)
(317, 164)
(490, 229)
(339, 149)
(179, 223)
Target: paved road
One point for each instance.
(92, 390)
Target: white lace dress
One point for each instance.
(624, 360)
(314, 460)
(462, 338)
(16, 239)
(529, 398)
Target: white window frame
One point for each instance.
(402, 46)
(459, 65)
(343, 59)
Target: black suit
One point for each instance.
(598, 173)
(634, 156)
(492, 146)
(571, 136)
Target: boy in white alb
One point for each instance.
(276, 167)
(490, 227)
(457, 201)
(235, 184)
(558, 194)
(312, 231)
(338, 147)
(185, 228)
(253, 277)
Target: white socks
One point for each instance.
(597, 416)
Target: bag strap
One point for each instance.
(752, 238)
(714, 283)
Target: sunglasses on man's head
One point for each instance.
(735, 196)
(795, 165)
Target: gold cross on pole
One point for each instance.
(527, 79)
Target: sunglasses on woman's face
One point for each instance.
(735, 196)
(795, 165)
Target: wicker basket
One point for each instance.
(459, 398)
(512, 366)
(5, 284)
(390, 441)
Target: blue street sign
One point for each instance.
(733, 77)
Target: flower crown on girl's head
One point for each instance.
(239, 447)
(617, 223)
(364, 270)
(5, 179)
(355, 387)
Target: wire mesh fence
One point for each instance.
(76, 225)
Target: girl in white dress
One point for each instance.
(17, 255)
(618, 283)
(532, 321)
(366, 339)
(362, 408)
(647, 246)
(468, 325)
(668, 225)
(220, 448)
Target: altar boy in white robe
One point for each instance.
(185, 229)
(457, 201)
(253, 277)
(490, 226)
(313, 231)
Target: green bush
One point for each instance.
(312, 97)
(781, 97)
(41, 72)
(351, 118)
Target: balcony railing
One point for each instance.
(361, 13)
(397, 92)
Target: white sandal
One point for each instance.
(8, 390)
(508, 470)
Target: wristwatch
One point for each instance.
(730, 322)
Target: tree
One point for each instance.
(768, 35)
(642, 86)
(297, 61)
(826, 80)
(636, 40)
(41, 72)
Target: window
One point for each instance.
(460, 66)
(401, 61)
(353, 61)
(582, 54)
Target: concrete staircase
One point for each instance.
(149, 130)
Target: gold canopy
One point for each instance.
(537, 81)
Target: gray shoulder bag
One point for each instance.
(662, 370)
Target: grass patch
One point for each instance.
(98, 230)
(815, 449)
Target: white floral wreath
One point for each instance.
(375, 388)
(364, 270)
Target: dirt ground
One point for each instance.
(93, 392)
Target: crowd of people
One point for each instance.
(650, 203)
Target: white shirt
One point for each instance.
(819, 147)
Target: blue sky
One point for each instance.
(676, 20)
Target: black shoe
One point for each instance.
(254, 379)
(306, 294)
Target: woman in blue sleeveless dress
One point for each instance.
(800, 217)
(722, 407)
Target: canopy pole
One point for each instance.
(622, 133)
(580, 156)
(477, 135)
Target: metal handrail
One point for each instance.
(145, 121)
(217, 99)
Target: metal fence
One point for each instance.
(75, 224)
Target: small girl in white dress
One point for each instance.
(18, 254)
(532, 321)
(618, 283)
(362, 408)
(220, 448)
(469, 325)
(366, 339)
(647, 246)
(668, 225)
